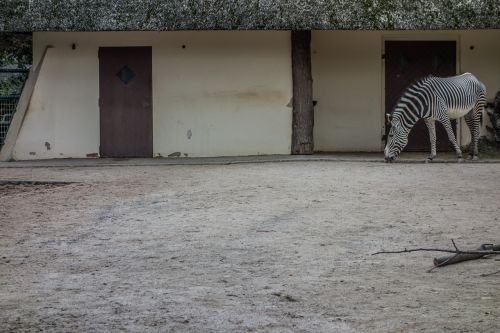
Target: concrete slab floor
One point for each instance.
(336, 157)
(256, 247)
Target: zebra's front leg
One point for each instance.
(445, 120)
(431, 126)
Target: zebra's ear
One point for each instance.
(388, 118)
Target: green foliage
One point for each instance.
(488, 149)
(15, 50)
(15, 53)
(158, 15)
(12, 84)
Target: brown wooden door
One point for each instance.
(125, 91)
(408, 61)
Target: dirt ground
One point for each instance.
(275, 247)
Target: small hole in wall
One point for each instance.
(183, 46)
(471, 47)
(73, 46)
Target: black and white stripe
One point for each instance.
(441, 99)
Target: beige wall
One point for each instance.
(228, 89)
(348, 75)
(484, 62)
(62, 119)
(347, 85)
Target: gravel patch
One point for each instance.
(275, 247)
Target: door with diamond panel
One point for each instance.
(125, 101)
(408, 61)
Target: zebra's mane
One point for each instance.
(421, 80)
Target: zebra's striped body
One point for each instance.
(441, 99)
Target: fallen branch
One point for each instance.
(477, 252)
(458, 255)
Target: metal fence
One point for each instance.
(11, 85)
(8, 106)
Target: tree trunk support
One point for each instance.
(303, 112)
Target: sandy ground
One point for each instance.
(276, 247)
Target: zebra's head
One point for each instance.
(396, 139)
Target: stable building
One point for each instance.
(227, 78)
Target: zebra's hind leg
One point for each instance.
(473, 121)
(431, 126)
(445, 120)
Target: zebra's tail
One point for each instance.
(485, 104)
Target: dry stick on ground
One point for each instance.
(459, 256)
(448, 260)
(482, 252)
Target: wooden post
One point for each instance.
(303, 113)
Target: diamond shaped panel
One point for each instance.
(125, 75)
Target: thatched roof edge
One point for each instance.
(157, 15)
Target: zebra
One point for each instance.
(435, 98)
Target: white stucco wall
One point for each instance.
(483, 60)
(347, 78)
(348, 74)
(62, 119)
(228, 89)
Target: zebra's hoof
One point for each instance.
(460, 160)
(428, 160)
